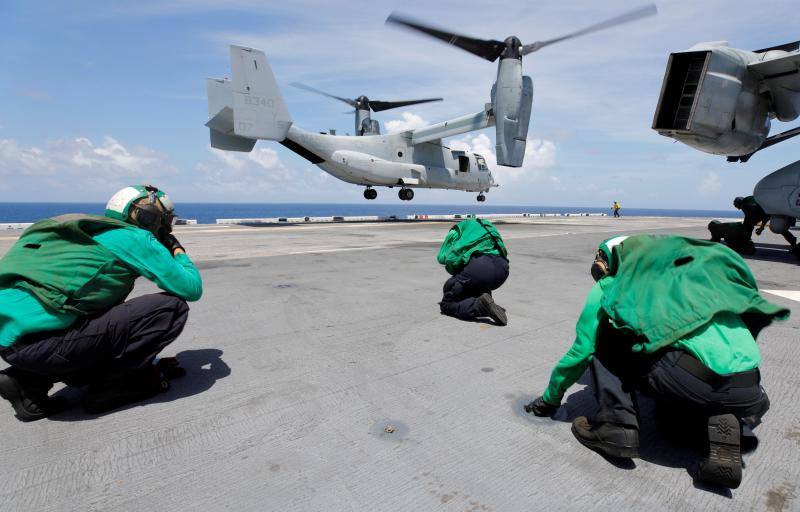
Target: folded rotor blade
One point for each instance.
(486, 49)
(378, 106)
(350, 102)
(636, 14)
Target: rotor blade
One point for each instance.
(378, 106)
(350, 102)
(486, 49)
(642, 12)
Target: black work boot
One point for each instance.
(723, 466)
(487, 307)
(607, 438)
(27, 393)
(115, 390)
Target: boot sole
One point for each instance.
(622, 452)
(10, 391)
(724, 463)
(498, 314)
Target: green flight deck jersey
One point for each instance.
(693, 295)
(75, 265)
(467, 238)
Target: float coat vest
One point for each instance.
(59, 262)
(467, 238)
(668, 286)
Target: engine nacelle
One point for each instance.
(710, 101)
(512, 96)
(779, 193)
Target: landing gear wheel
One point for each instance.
(370, 193)
(481, 198)
(406, 194)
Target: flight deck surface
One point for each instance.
(322, 377)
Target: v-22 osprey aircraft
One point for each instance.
(250, 106)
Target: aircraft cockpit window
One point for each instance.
(481, 163)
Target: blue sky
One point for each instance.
(98, 95)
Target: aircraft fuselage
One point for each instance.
(391, 160)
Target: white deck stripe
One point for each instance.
(786, 294)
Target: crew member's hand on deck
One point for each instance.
(541, 408)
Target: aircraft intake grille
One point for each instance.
(679, 92)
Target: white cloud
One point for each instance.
(710, 184)
(67, 163)
(409, 121)
(262, 175)
(540, 157)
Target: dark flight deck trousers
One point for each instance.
(617, 373)
(483, 274)
(127, 337)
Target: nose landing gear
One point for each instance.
(370, 193)
(406, 194)
(481, 198)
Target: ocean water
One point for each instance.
(207, 213)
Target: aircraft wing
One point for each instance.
(781, 78)
(457, 126)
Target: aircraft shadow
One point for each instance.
(773, 252)
(203, 368)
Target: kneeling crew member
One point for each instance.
(675, 318)
(474, 254)
(63, 315)
(755, 215)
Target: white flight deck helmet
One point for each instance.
(154, 215)
(604, 262)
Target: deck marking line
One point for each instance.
(786, 294)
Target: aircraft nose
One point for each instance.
(779, 192)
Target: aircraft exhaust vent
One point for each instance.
(682, 82)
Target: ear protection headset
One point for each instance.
(600, 267)
(153, 215)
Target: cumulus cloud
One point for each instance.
(710, 184)
(409, 121)
(540, 157)
(71, 155)
(262, 175)
(61, 163)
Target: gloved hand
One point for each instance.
(171, 243)
(541, 408)
(170, 368)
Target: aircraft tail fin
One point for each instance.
(247, 107)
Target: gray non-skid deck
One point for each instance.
(311, 340)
